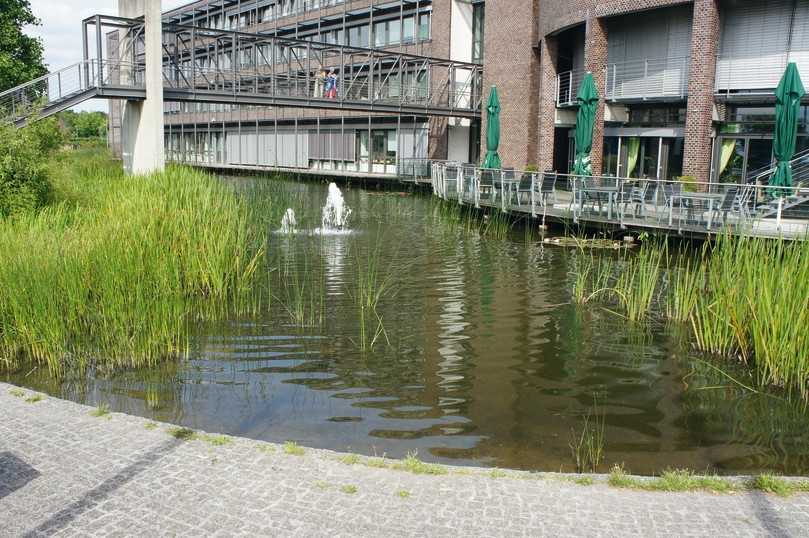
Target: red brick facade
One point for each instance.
(701, 83)
(512, 64)
(556, 16)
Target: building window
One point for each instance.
(478, 25)
(408, 30)
(358, 36)
(424, 26)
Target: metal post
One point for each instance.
(86, 51)
(100, 51)
(778, 214)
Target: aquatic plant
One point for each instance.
(113, 276)
(638, 282)
(587, 444)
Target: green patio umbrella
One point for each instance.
(492, 131)
(587, 99)
(787, 107)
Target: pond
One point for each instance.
(475, 355)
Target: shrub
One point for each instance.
(24, 154)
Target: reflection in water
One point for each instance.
(488, 362)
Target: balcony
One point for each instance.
(755, 76)
(567, 86)
(647, 79)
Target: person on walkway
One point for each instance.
(320, 82)
(332, 84)
(327, 82)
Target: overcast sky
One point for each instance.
(61, 30)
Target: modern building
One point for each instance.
(686, 86)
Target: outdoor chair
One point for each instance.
(451, 178)
(486, 186)
(634, 194)
(548, 188)
(528, 184)
(670, 190)
(468, 179)
(736, 201)
(507, 183)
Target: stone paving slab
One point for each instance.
(65, 472)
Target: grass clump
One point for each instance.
(112, 272)
(349, 459)
(349, 489)
(150, 426)
(403, 494)
(292, 448)
(17, 393)
(217, 440)
(102, 410)
(34, 398)
(777, 485)
(182, 434)
(672, 480)
(587, 444)
(412, 464)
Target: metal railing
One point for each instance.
(677, 206)
(567, 86)
(37, 97)
(755, 75)
(648, 78)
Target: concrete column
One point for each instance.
(595, 61)
(701, 83)
(142, 121)
(549, 50)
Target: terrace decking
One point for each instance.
(629, 203)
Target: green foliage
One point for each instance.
(114, 274)
(182, 434)
(587, 445)
(84, 124)
(20, 55)
(24, 154)
(293, 449)
(412, 464)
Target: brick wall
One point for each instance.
(559, 14)
(595, 59)
(547, 102)
(699, 124)
(438, 135)
(512, 64)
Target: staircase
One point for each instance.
(49, 94)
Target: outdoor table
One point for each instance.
(611, 192)
(711, 198)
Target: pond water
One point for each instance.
(480, 358)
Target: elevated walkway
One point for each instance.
(228, 67)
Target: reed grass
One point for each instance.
(638, 282)
(587, 444)
(115, 269)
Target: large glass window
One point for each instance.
(609, 166)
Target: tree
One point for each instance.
(20, 55)
(85, 124)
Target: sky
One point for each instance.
(61, 31)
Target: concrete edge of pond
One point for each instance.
(730, 484)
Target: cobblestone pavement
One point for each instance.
(66, 472)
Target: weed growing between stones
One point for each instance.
(150, 426)
(102, 410)
(182, 434)
(349, 489)
(34, 398)
(412, 464)
(403, 494)
(291, 448)
(216, 440)
(17, 393)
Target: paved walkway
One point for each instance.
(65, 472)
